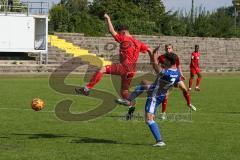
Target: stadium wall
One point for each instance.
(217, 54)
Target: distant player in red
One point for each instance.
(195, 69)
(128, 54)
(161, 60)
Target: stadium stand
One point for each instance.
(217, 54)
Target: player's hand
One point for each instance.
(183, 78)
(156, 49)
(106, 16)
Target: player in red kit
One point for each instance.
(128, 54)
(195, 69)
(161, 60)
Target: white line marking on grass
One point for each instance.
(225, 123)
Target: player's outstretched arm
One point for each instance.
(149, 51)
(154, 60)
(110, 26)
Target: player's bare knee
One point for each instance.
(185, 91)
(166, 97)
(102, 70)
(149, 119)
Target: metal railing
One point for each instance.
(28, 7)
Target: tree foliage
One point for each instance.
(142, 16)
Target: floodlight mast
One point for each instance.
(236, 4)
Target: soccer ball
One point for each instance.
(37, 104)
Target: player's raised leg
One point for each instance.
(130, 100)
(94, 80)
(114, 69)
(139, 89)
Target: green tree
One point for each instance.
(59, 19)
(222, 23)
(17, 6)
(140, 15)
(236, 3)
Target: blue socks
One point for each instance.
(138, 90)
(155, 130)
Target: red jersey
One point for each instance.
(129, 49)
(161, 60)
(195, 60)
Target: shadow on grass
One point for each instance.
(230, 112)
(104, 141)
(2, 137)
(81, 140)
(94, 140)
(42, 135)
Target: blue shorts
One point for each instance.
(152, 104)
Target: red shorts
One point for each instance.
(194, 71)
(126, 73)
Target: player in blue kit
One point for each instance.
(157, 92)
(166, 79)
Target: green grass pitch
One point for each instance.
(213, 133)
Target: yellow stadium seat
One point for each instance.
(76, 51)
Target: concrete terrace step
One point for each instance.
(216, 53)
(45, 68)
(17, 62)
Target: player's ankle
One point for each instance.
(86, 88)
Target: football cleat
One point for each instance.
(129, 115)
(192, 107)
(189, 89)
(197, 89)
(159, 144)
(82, 91)
(163, 116)
(125, 102)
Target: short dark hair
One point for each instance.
(170, 59)
(122, 27)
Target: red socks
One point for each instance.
(198, 81)
(125, 94)
(187, 97)
(164, 105)
(95, 79)
(190, 82)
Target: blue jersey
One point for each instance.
(165, 80)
